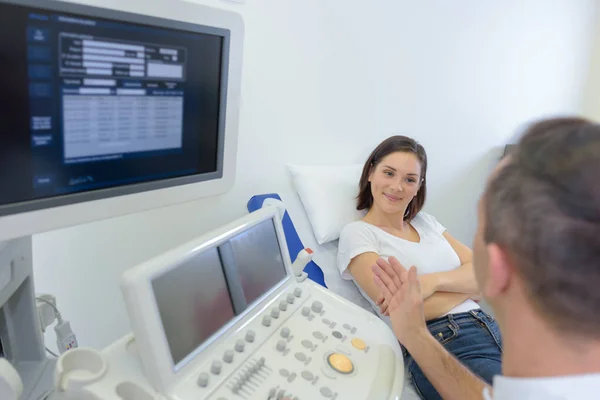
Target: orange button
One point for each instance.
(359, 343)
(340, 363)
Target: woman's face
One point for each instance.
(395, 180)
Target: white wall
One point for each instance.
(591, 102)
(324, 82)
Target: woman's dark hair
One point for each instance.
(391, 145)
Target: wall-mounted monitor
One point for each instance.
(99, 107)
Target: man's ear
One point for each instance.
(500, 271)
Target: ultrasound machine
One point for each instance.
(106, 112)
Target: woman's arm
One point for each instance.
(438, 304)
(460, 279)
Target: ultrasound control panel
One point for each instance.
(223, 318)
(306, 345)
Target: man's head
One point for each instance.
(538, 239)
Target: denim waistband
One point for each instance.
(454, 318)
(458, 318)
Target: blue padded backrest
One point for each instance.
(292, 239)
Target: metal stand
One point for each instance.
(20, 332)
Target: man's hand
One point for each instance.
(428, 284)
(402, 292)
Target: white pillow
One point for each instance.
(328, 194)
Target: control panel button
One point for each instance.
(215, 368)
(266, 321)
(285, 333)
(305, 311)
(300, 357)
(318, 335)
(326, 321)
(307, 343)
(228, 356)
(336, 334)
(250, 335)
(308, 375)
(281, 345)
(283, 305)
(347, 327)
(284, 372)
(290, 298)
(340, 363)
(325, 391)
(297, 292)
(280, 394)
(239, 346)
(203, 379)
(317, 307)
(275, 313)
(359, 343)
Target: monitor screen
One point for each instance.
(193, 302)
(89, 103)
(200, 295)
(258, 260)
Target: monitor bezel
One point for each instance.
(155, 22)
(144, 313)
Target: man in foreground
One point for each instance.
(537, 263)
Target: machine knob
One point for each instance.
(317, 307)
(282, 305)
(305, 311)
(228, 356)
(297, 292)
(239, 346)
(203, 379)
(250, 335)
(266, 320)
(216, 367)
(285, 333)
(290, 298)
(275, 313)
(281, 345)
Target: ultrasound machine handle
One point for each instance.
(302, 259)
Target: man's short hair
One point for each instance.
(543, 208)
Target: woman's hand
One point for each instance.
(383, 305)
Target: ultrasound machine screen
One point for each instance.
(258, 260)
(89, 103)
(193, 302)
(198, 297)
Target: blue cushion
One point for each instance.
(292, 239)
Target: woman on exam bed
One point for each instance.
(392, 192)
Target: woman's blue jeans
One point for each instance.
(472, 337)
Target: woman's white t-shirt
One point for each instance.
(432, 254)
